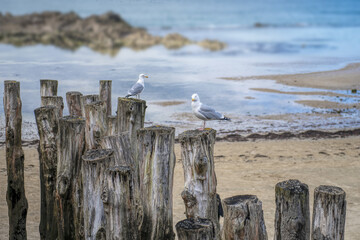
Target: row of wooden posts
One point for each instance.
(108, 177)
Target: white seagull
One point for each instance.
(138, 87)
(205, 112)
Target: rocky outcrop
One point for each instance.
(105, 33)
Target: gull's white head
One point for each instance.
(142, 76)
(195, 98)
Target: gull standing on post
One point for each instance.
(138, 87)
(205, 112)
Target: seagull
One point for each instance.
(205, 112)
(138, 87)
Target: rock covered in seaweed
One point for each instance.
(105, 33)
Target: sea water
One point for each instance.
(262, 37)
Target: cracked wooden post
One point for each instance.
(96, 123)
(130, 116)
(119, 207)
(54, 101)
(73, 100)
(243, 218)
(122, 148)
(112, 125)
(156, 169)
(94, 164)
(124, 157)
(15, 195)
(292, 215)
(190, 229)
(47, 123)
(48, 87)
(105, 94)
(87, 99)
(199, 195)
(69, 192)
(329, 213)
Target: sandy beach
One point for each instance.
(241, 168)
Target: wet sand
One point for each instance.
(346, 78)
(167, 103)
(324, 104)
(317, 93)
(328, 104)
(252, 167)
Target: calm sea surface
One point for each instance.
(296, 37)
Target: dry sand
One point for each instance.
(241, 168)
(347, 78)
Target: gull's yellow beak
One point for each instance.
(193, 99)
(146, 76)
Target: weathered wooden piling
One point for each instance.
(69, 192)
(199, 195)
(47, 123)
(243, 218)
(73, 100)
(199, 229)
(156, 169)
(48, 87)
(54, 101)
(105, 94)
(292, 216)
(15, 195)
(130, 116)
(120, 144)
(329, 213)
(96, 123)
(87, 99)
(123, 157)
(119, 207)
(112, 125)
(95, 162)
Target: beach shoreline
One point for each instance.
(331, 110)
(252, 167)
(346, 78)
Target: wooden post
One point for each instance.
(112, 125)
(156, 167)
(69, 192)
(199, 195)
(54, 101)
(124, 157)
(243, 218)
(87, 99)
(119, 204)
(292, 216)
(47, 123)
(15, 195)
(130, 116)
(95, 162)
(190, 229)
(96, 123)
(329, 213)
(48, 87)
(105, 94)
(122, 149)
(73, 100)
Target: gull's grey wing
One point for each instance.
(136, 89)
(210, 113)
